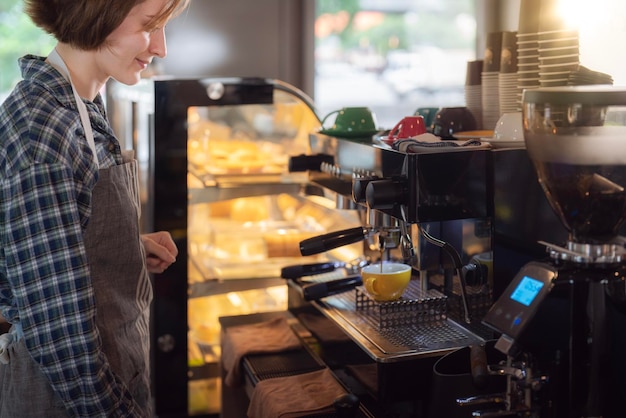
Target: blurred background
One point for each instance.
(390, 55)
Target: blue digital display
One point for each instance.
(527, 290)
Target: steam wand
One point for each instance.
(458, 264)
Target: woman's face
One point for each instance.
(130, 48)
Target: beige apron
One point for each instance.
(123, 295)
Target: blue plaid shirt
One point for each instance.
(47, 174)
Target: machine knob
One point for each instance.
(359, 185)
(385, 194)
(299, 163)
(474, 273)
(166, 343)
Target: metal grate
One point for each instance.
(415, 307)
(412, 339)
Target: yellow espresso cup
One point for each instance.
(388, 283)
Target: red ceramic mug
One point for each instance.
(408, 127)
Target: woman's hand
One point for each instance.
(161, 251)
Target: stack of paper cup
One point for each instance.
(558, 47)
(473, 90)
(527, 48)
(490, 80)
(507, 79)
(558, 56)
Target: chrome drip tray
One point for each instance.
(425, 329)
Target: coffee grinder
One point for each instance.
(563, 320)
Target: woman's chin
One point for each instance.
(128, 79)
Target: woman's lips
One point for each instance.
(143, 64)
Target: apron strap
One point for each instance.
(57, 62)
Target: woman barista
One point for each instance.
(73, 267)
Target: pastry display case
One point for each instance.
(213, 156)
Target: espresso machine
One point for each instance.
(425, 206)
(561, 320)
(430, 207)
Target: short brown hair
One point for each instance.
(87, 24)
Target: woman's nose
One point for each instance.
(158, 45)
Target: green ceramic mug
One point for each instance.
(352, 120)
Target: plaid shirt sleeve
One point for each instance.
(46, 181)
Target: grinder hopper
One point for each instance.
(576, 138)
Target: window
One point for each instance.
(392, 55)
(397, 55)
(19, 37)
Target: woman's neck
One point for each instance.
(83, 71)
